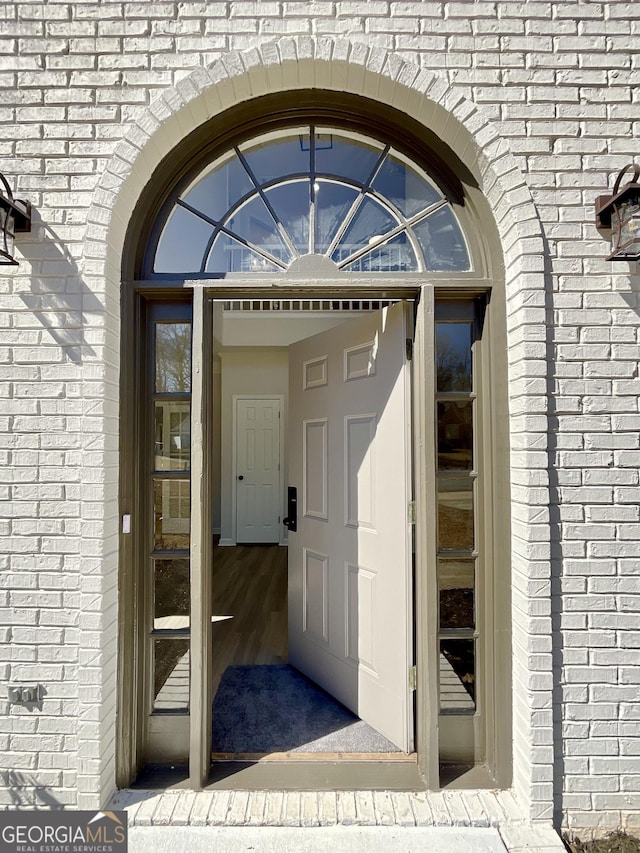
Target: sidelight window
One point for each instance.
(169, 446)
(456, 478)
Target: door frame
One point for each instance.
(205, 296)
(234, 458)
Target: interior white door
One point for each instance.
(350, 559)
(258, 470)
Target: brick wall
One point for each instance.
(556, 83)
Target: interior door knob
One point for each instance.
(241, 476)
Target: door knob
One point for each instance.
(241, 476)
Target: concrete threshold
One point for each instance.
(337, 839)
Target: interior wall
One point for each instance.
(275, 329)
(256, 370)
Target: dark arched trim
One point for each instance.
(275, 112)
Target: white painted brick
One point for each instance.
(309, 815)
(78, 73)
(237, 813)
(255, 811)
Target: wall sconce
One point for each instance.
(15, 216)
(620, 214)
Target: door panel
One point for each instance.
(316, 468)
(258, 470)
(349, 561)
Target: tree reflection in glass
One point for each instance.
(455, 435)
(453, 357)
(173, 358)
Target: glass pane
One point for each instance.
(277, 157)
(396, 255)
(227, 255)
(173, 358)
(173, 436)
(269, 160)
(333, 202)
(183, 243)
(291, 204)
(442, 242)
(171, 675)
(455, 434)
(455, 514)
(457, 675)
(171, 600)
(217, 191)
(345, 158)
(456, 581)
(370, 222)
(453, 356)
(7, 231)
(404, 187)
(254, 223)
(627, 219)
(172, 514)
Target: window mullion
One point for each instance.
(312, 189)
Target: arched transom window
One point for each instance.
(310, 191)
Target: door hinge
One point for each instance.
(413, 678)
(409, 348)
(411, 512)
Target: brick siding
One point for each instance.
(553, 85)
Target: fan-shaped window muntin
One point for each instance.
(306, 191)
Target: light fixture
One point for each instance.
(620, 213)
(15, 216)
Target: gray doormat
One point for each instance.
(260, 709)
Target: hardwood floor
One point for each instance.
(249, 606)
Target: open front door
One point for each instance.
(350, 627)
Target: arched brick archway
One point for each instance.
(305, 63)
